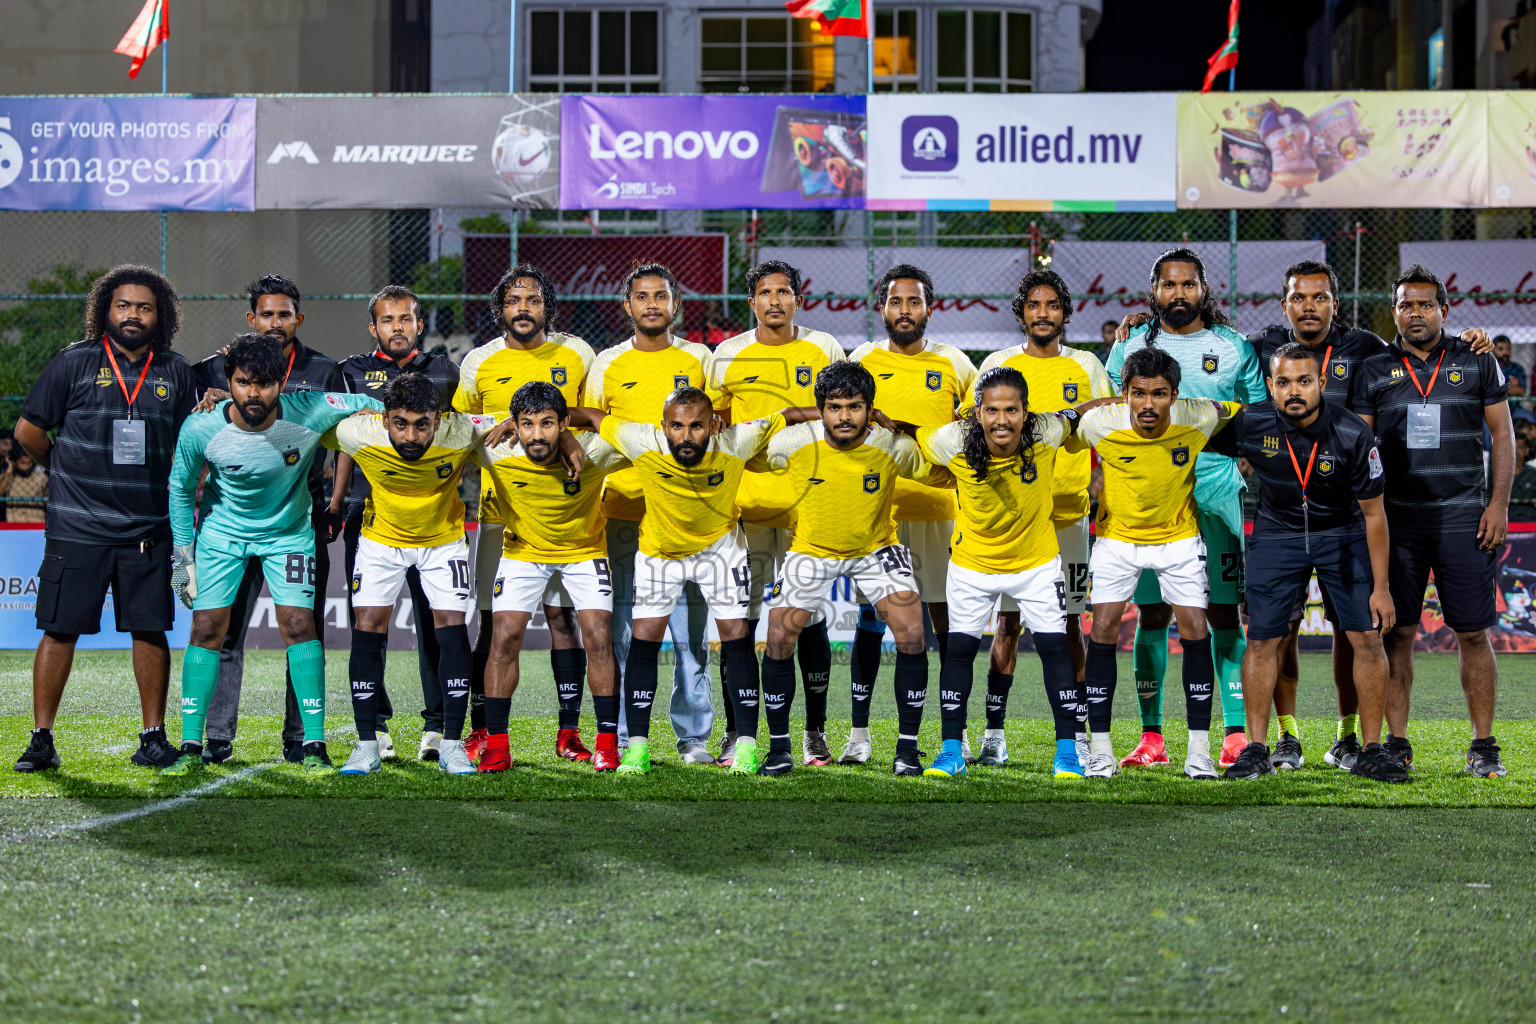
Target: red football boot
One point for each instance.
(1232, 746)
(1149, 752)
(569, 746)
(474, 744)
(607, 757)
(496, 755)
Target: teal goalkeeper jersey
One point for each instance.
(258, 478)
(1215, 363)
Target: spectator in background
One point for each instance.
(1107, 333)
(717, 327)
(7, 444)
(1503, 351)
(25, 483)
(1522, 494)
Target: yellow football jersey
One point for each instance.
(554, 518)
(1003, 523)
(632, 384)
(759, 379)
(1149, 483)
(922, 389)
(688, 508)
(411, 504)
(843, 500)
(1057, 383)
(490, 375)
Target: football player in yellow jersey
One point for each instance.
(524, 305)
(1059, 377)
(558, 533)
(1147, 521)
(924, 380)
(631, 381)
(1004, 458)
(843, 470)
(413, 519)
(691, 533)
(773, 367)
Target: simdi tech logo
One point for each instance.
(930, 143)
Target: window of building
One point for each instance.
(983, 51)
(896, 50)
(594, 51)
(764, 53)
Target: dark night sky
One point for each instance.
(1149, 47)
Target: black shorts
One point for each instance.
(72, 586)
(1280, 567)
(1465, 578)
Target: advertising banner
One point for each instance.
(399, 152)
(127, 153)
(1512, 148)
(1472, 270)
(1022, 152)
(712, 152)
(1355, 149)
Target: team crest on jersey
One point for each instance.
(357, 582)
(803, 376)
(500, 582)
(445, 470)
(1210, 362)
(1028, 471)
(291, 457)
(162, 390)
(1181, 455)
(679, 380)
(1325, 465)
(871, 483)
(716, 479)
(557, 374)
(1069, 391)
(1340, 370)
(935, 380)
(572, 487)
(1454, 377)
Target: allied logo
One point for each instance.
(557, 374)
(1210, 362)
(935, 380)
(1454, 377)
(162, 390)
(1325, 465)
(445, 470)
(679, 380)
(1181, 455)
(1028, 471)
(1340, 370)
(930, 143)
(572, 487)
(871, 483)
(716, 479)
(291, 457)
(1069, 392)
(803, 376)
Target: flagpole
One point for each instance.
(164, 232)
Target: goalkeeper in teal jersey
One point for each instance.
(1217, 363)
(258, 447)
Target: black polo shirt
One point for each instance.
(1342, 350)
(92, 500)
(311, 371)
(366, 374)
(1345, 469)
(1441, 489)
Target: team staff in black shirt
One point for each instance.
(1319, 475)
(1428, 397)
(117, 399)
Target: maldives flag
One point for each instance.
(1225, 58)
(151, 28)
(837, 17)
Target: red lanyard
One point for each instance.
(120, 382)
(1423, 391)
(386, 356)
(1306, 531)
(1327, 358)
(291, 353)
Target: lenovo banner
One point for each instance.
(1062, 152)
(398, 152)
(127, 153)
(712, 152)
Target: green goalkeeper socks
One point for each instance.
(1227, 650)
(1151, 664)
(199, 676)
(306, 667)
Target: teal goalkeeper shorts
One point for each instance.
(1223, 559)
(288, 563)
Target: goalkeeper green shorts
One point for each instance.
(287, 562)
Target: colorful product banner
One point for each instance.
(1022, 152)
(712, 152)
(1333, 150)
(1512, 148)
(127, 153)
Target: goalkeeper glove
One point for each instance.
(183, 576)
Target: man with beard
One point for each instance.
(274, 312)
(1320, 508)
(412, 520)
(924, 380)
(631, 381)
(691, 533)
(1428, 397)
(524, 305)
(1216, 363)
(258, 447)
(1059, 377)
(116, 401)
(773, 367)
(394, 320)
